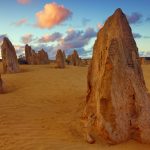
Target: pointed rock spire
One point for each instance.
(60, 59)
(9, 57)
(117, 104)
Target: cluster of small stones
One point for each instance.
(34, 58)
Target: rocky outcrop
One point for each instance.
(84, 62)
(60, 59)
(118, 104)
(34, 58)
(9, 57)
(1, 85)
(31, 56)
(43, 57)
(74, 59)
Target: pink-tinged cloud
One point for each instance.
(19, 50)
(50, 38)
(99, 26)
(24, 2)
(27, 38)
(76, 38)
(21, 22)
(52, 15)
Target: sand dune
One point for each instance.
(42, 107)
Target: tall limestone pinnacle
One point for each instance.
(60, 61)
(118, 104)
(9, 57)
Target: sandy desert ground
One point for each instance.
(42, 108)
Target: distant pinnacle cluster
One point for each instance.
(11, 63)
(34, 58)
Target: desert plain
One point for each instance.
(42, 108)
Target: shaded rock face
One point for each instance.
(117, 104)
(35, 58)
(60, 59)
(1, 85)
(31, 56)
(145, 61)
(75, 58)
(43, 57)
(28, 54)
(69, 60)
(9, 57)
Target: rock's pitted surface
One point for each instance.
(43, 57)
(117, 105)
(9, 57)
(1, 85)
(60, 59)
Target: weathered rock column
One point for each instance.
(60, 59)
(75, 58)
(9, 57)
(118, 104)
(28, 54)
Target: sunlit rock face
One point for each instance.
(9, 57)
(60, 59)
(117, 104)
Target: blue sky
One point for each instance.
(79, 22)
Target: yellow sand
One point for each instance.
(42, 109)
